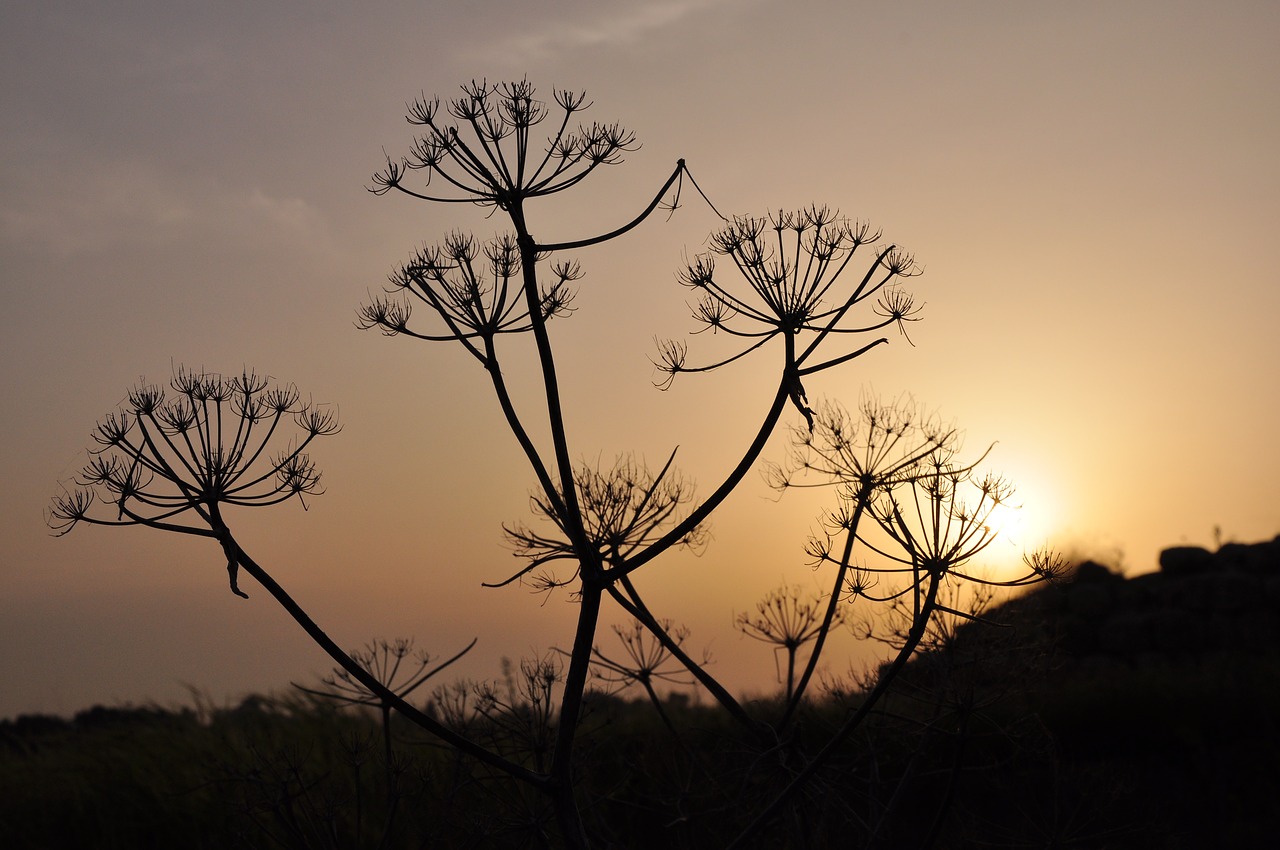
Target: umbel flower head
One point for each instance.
(475, 291)
(882, 445)
(645, 659)
(625, 509)
(483, 147)
(795, 266)
(172, 458)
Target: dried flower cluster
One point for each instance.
(200, 446)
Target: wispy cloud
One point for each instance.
(290, 214)
(111, 203)
(608, 27)
(129, 203)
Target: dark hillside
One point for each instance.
(1160, 695)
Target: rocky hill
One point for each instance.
(1199, 603)
(1159, 694)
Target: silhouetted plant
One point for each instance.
(522, 716)
(163, 459)
(861, 456)
(791, 263)
(385, 661)
(624, 510)
(646, 659)
(788, 620)
(169, 462)
(932, 513)
(812, 285)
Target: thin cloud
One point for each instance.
(130, 203)
(607, 28)
(293, 214)
(110, 204)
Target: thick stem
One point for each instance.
(575, 683)
(572, 519)
(561, 775)
(791, 671)
(572, 833)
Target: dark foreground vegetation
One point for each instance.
(1104, 712)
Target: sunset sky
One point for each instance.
(1092, 190)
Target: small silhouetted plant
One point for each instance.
(810, 289)
(647, 662)
(788, 619)
(385, 661)
(522, 713)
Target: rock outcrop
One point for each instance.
(1198, 602)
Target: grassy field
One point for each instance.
(1090, 720)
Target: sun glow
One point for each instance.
(1023, 524)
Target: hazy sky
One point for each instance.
(1092, 190)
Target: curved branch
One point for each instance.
(634, 605)
(595, 240)
(730, 483)
(425, 721)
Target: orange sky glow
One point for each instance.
(1091, 190)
